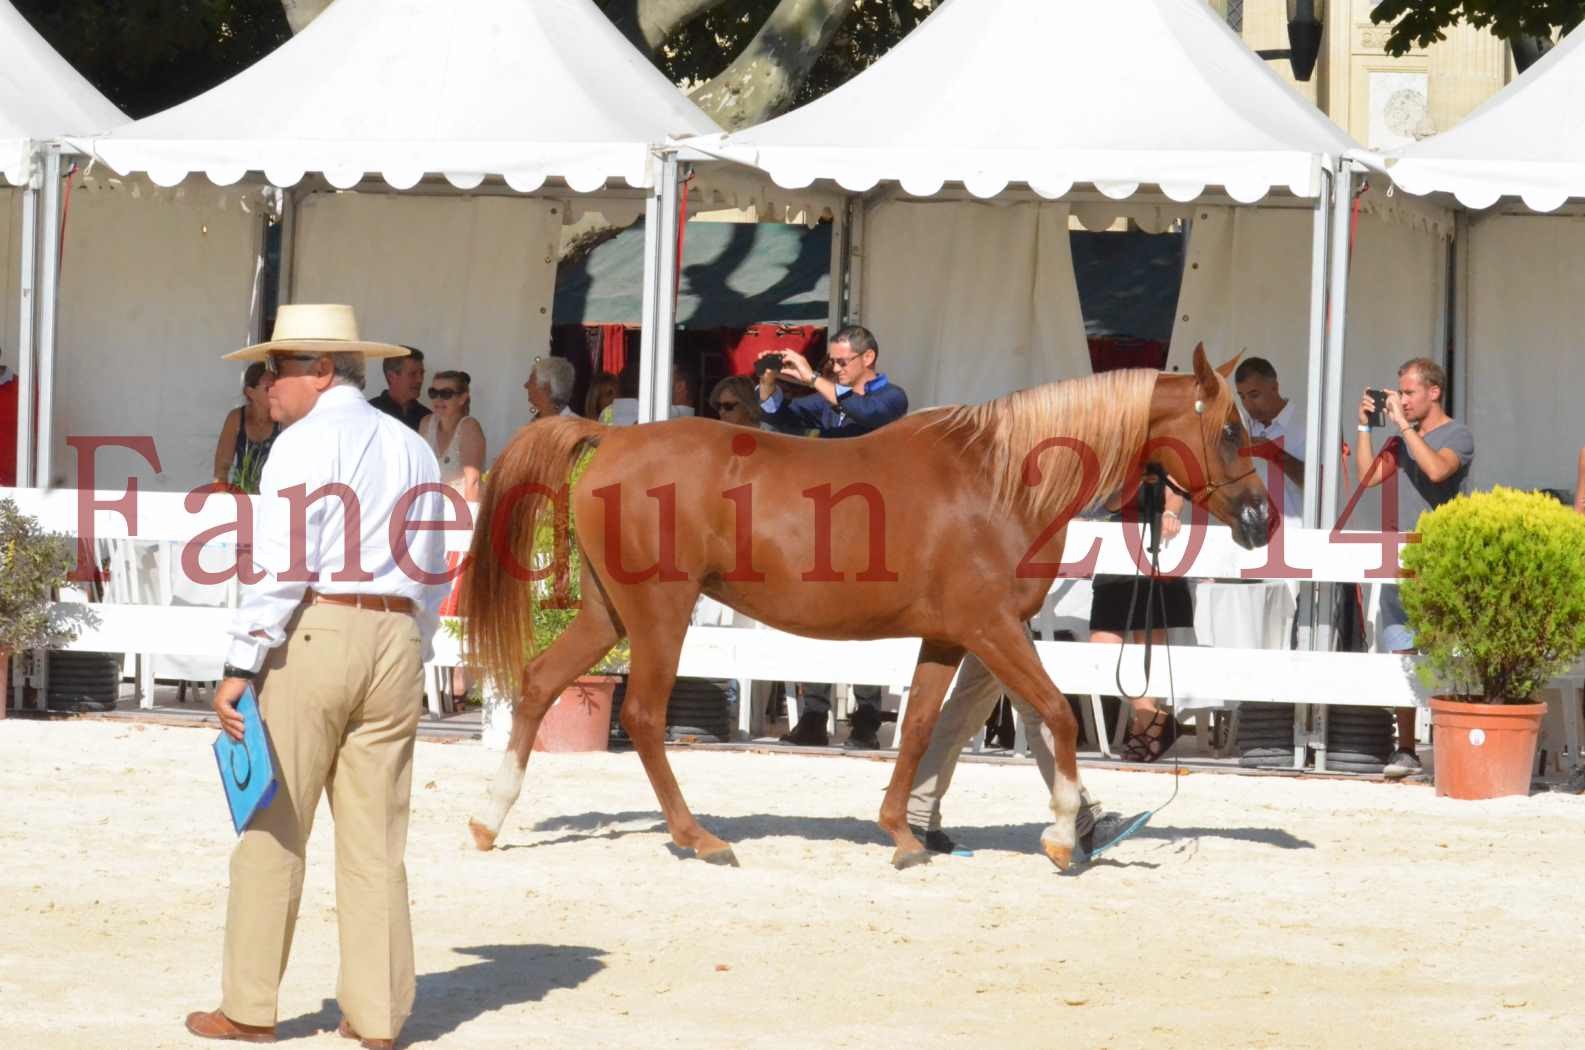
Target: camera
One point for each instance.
(769, 363)
(1377, 416)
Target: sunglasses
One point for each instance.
(443, 393)
(272, 363)
(840, 362)
(728, 406)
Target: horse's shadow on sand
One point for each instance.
(505, 975)
(1011, 838)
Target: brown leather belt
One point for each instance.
(371, 602)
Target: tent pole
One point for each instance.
(666, 286)
(283, 280)
(27, 304)
(1310, 511)
(48, 301)
(1337, 326)
(653, 241)
(836, 315)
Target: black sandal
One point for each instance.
(1148, 744)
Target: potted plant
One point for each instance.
(33, 564)
(1496, 597)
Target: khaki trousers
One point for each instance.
(340, 704)
(962, 715)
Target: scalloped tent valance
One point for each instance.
(998, 93)
(400, 89)
(41, 96)
(1526, 141)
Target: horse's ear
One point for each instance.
(1225, 370)
(1204, 374)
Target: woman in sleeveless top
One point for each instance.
(458, 444)
(455, 436)
(247, 434)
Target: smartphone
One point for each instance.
(1377, 417)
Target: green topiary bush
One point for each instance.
(1497, 599)
(33, 564)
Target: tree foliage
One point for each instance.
(1421, 23)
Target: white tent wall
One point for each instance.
(970, 301)
(1525, 313)
(154, 288)
(468, 280)
(1246, 289)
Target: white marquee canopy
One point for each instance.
(1526, 141)
(1054, 93)
(524, 89)
(41, 95)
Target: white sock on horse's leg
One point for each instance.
(1065, 796)
(504, 789)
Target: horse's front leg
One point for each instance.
(589, 637)
(938, 662)
(1011, 657)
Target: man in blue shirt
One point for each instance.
(856, 401)
(853, 400)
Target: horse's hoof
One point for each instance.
(1061, 856)
(483, 837)
(902, 859)
(723, 856)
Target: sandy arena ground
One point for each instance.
(1256, 912)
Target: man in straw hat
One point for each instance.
(335, 652)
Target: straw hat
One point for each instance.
(316, 329)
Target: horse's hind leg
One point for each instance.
(937, 664)
(1011, 657)
(654, 672)
(590, 636)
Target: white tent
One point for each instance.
(520, 105)
(41, 97)
(1526, 141)
(1019, 100)
(523, 89)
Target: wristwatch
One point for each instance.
(236, 672)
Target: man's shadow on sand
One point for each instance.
(505, 975)
(1012, 838)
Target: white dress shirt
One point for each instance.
(343, 440)
(1289, 426)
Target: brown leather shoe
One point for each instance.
(216, 1025)
(346, 1032)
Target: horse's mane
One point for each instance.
(1108, 413)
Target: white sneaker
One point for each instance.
(1402, 764)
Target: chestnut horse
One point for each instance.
(945, 526)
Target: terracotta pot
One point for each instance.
(580, 718)
(1484, 750)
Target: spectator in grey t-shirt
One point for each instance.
(1431, 455)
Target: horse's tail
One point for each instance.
(498, 593)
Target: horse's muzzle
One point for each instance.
(1253, 528)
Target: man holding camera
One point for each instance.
(1432, 452)
(855, 400)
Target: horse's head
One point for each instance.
(1199, 440)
